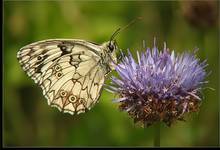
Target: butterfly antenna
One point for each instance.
(121, 29)
(115, 33)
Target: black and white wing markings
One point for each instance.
(76, 84)
(82, 88)
(69, 73)
(36, 57)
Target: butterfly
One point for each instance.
(70, 72)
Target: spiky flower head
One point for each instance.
(160, 86)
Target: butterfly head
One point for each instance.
(112, 46)
(110, 49)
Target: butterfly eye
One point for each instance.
(111, 47)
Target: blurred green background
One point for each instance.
(184, 25)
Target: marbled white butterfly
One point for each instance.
(71, 72)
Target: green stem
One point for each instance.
(157, 135)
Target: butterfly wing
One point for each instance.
(69, 72)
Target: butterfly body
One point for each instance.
(71, 72)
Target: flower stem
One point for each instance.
(157, 135)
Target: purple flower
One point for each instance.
(160, 86)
